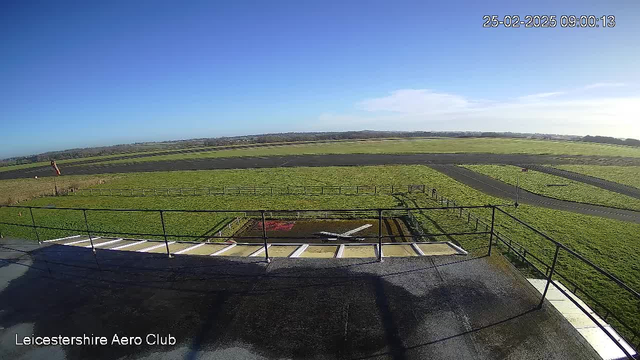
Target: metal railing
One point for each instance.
(253, 190)
(463, 212)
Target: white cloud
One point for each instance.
(602, 85)
(412, 101)
(537, 97)
(551, 112)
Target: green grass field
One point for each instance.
(437, 145)
(628, 175)
(538, 183)
(609, 243)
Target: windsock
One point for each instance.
(55, 167)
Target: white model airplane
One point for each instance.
(345, 235)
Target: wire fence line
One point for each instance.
(254, 190)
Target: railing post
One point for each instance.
(379, 235)
(549, 278)
(86, 223)
(164, 233)
(35, 229)
(493, 219)
(264, 237)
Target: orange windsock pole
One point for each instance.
(57, 171)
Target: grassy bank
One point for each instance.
(556, 186)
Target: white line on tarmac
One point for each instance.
(80, 241)
(417, 249)
(223, 250)
(340, 251)
(458, 248)
(127, 245)
(105, 243)
(64, 238)
(189, 248)
(156, 246)
(259, 251)
(299, 251)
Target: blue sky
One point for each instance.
(89, 73)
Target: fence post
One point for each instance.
(379, 235)
(493, 218)
(553, 266)
(35, 229)
(86, 223)
(164, 233)
(264, 237)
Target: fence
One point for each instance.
(483, 227)
(254, 190)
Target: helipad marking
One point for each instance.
(259, 251)
(127, 245)
(340, 251)
(105, 243)
(80, 241)
(299, 251)
(189, 248)
(223, 250)
(156, 246)
(64, 238)
(366, 226)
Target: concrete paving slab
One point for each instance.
(281, 250)
(393, 250)
(207, 249)
(320, 251)
(359, 251)
(436, 249)
(241, 250)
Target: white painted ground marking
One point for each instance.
(80, 241)
(590, 331)
(64, 238)
(189, 248)
(127, 245)
(223, 250)
(156, 246)
(333, 234)
(340, 251)
(350, 232)
(299, 251)
(259, 251)
(417, 249)
(458, 248)
(105, 243)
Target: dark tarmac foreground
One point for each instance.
(449, 307)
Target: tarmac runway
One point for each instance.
(497, 188)
(316, 161)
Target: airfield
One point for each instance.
(203, 207)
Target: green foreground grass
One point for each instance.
(610, 244)
(627, 175)
(556, 186)
(408, 146)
